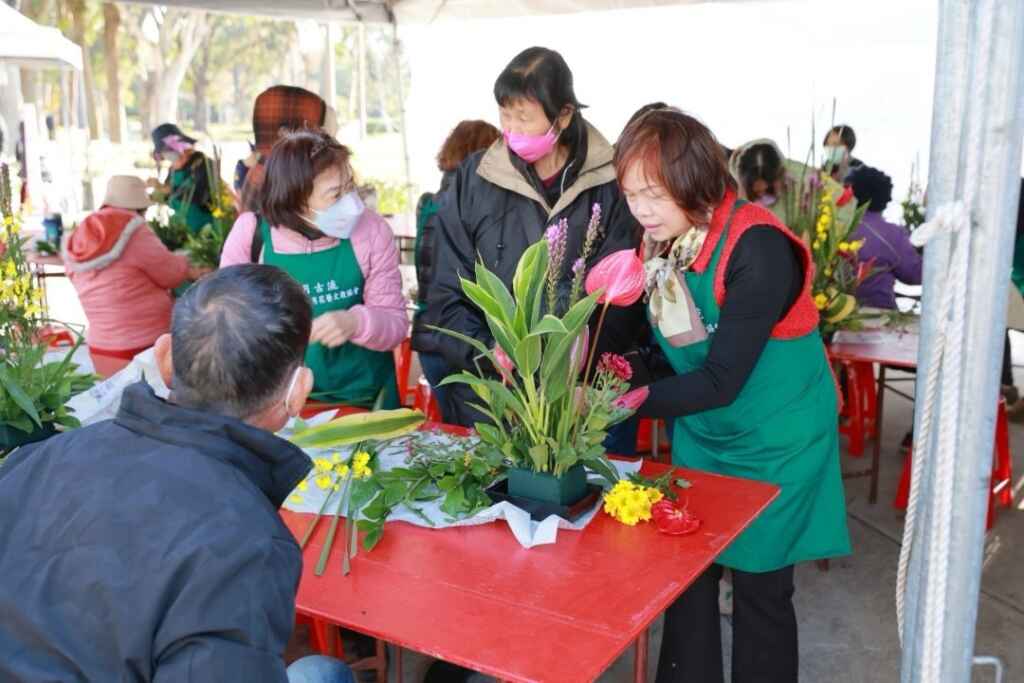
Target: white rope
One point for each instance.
(946, 354)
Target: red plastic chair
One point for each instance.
(403, 368)
(313, 408)
(425, 402)
(860, 406)
(55, 337)
(1000, 489)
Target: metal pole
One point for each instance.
(977, 128)
(328, 86)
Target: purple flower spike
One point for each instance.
(577, 266)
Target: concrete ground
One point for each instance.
(847, 616)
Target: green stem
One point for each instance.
(321, 565)
(316, 520)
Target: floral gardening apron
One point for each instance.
(196, 217)
(348, 374)
(781, 429)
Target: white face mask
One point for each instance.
(339, 219)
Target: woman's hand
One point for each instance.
(195, 272)
(334, 328)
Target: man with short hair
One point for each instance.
(149, 547)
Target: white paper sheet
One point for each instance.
(528, 532)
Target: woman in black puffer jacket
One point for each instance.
(550, 164)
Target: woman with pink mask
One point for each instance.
(549, 165)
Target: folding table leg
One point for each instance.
(399, 670)
(640, 661)
(877, 449)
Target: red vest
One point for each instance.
(802, 318)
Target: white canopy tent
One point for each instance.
(26, 44)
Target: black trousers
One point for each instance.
(764, 648)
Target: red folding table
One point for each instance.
(893, 350)
(562, 612)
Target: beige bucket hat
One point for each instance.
(126, 192)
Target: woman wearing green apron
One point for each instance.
(752, 394)
(313, 226)
(187, 189)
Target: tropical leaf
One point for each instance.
(349, 429)
(528, 356)
(493, 285)
(19, 396)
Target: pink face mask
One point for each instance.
(530, 148)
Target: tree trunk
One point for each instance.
(115, 113)
(78, 10)
(193, 31)
(361, 47)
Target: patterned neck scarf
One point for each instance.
(669, 300)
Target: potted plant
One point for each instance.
(33, 392)
(548, 409)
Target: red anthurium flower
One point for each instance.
(620, 275)
(672, 519)
(845, 197)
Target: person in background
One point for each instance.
(313, 225)
(766, 177)
(752, 394)
(242, 167)
(550, 165)
(466, 138)
(277, 110)
(149, 547)
(188, 188)
(887, 249)
(837, 158)
(123, 275)
(1015, 316)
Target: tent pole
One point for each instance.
(977, 127)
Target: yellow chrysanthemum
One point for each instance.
(341, 469)
(295, 498)
(360, 459)
(821, 301)
(654, 495)
(323, 481)
(322, 464)
(361, 472)
(303, 485)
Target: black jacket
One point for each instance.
(493, 211)
(148, 548)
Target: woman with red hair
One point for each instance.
(752, 395)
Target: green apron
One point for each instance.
(347, 374)
(196, 217)
(782, 429)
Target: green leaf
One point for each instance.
(484, 301)
(528, 356)
(549, 324)
(577, 316)
(526, 284)
(475, 343)
(349, 429)
(493, 285)
(539, 456)
(372, 537)
(488, 433)
(603, 467)
(19, 396)
(393, 494)
(506, 339)
(448, 483)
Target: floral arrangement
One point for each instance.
(33, 393)
(204, 248)
(913, 206)
(816, 214)
(544, 415)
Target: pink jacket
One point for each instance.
(125, 287)
(383, 321)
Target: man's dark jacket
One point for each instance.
(148, 548)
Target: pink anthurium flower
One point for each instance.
(631, 400)
(505, 364)
(620, 275)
